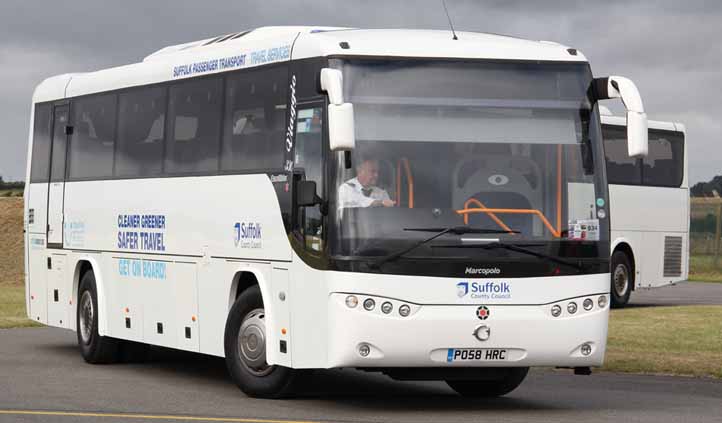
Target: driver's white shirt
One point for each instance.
(350, 194)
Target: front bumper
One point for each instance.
(529, 334)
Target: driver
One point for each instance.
(362, 191)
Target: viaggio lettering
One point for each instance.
(292, 115)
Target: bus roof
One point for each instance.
(266, 45)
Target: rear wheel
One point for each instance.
(94, 348)
(512, 378)
(622, 279)
(245, 347)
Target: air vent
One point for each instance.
(223, 38)
(672, 256)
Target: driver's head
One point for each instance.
(367, 172)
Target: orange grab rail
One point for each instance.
(544, 220)
(491, 215)
(409, 178)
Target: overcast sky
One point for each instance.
(671, 49)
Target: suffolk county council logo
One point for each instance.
(482, 312)
(462, 288)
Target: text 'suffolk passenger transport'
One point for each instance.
(296, 198)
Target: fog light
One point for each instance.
(364, 350)
(351, 301)
(588, 304)
(369, 304)
(602, 301)
(556, 310)
(586, 349)
(404, 310)
(387, 307)
(572, 307)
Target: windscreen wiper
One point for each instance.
(517, 248)
(457, 230)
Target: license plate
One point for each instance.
(476, 354)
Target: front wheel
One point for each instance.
(512, 378)
(245, 347)
(622, 280)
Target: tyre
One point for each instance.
(245, 347)
(94, 348)
(490, 388)
(622, 279)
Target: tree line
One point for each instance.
(8, 185)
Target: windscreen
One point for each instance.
(509, 150)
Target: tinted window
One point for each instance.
(40, 167)
(141, 122)
(195, 126)
(93, 139)
(253, 135)
(60, 142)
(664, 164)
(621, 169)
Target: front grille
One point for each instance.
(672, 256)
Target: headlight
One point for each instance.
(351, 301)
(602, 301)
(404, 310)
(387, 307)
(572, 307)
(369, 304)
(556, 310)
(588, 304)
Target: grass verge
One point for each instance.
(685, 340)
(703, 269)
(12, 307)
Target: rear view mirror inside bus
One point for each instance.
(340, 115)
(625, 90)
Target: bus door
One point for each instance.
(56, 187)
(308, 165)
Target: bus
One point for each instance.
(649, 208)
(295, 198)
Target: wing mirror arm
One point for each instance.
(625, 90)
(341, 131)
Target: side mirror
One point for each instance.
(306, 194)
(624, 89)
(341, 132)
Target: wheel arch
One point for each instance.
(242, 280)
(83, 265)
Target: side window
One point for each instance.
(60, 143)
(141, 123)
(195, 126)
(93, 139)
(255, 114)
(40, 166)
(664, 164)
(621, 169)
(308, 161)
